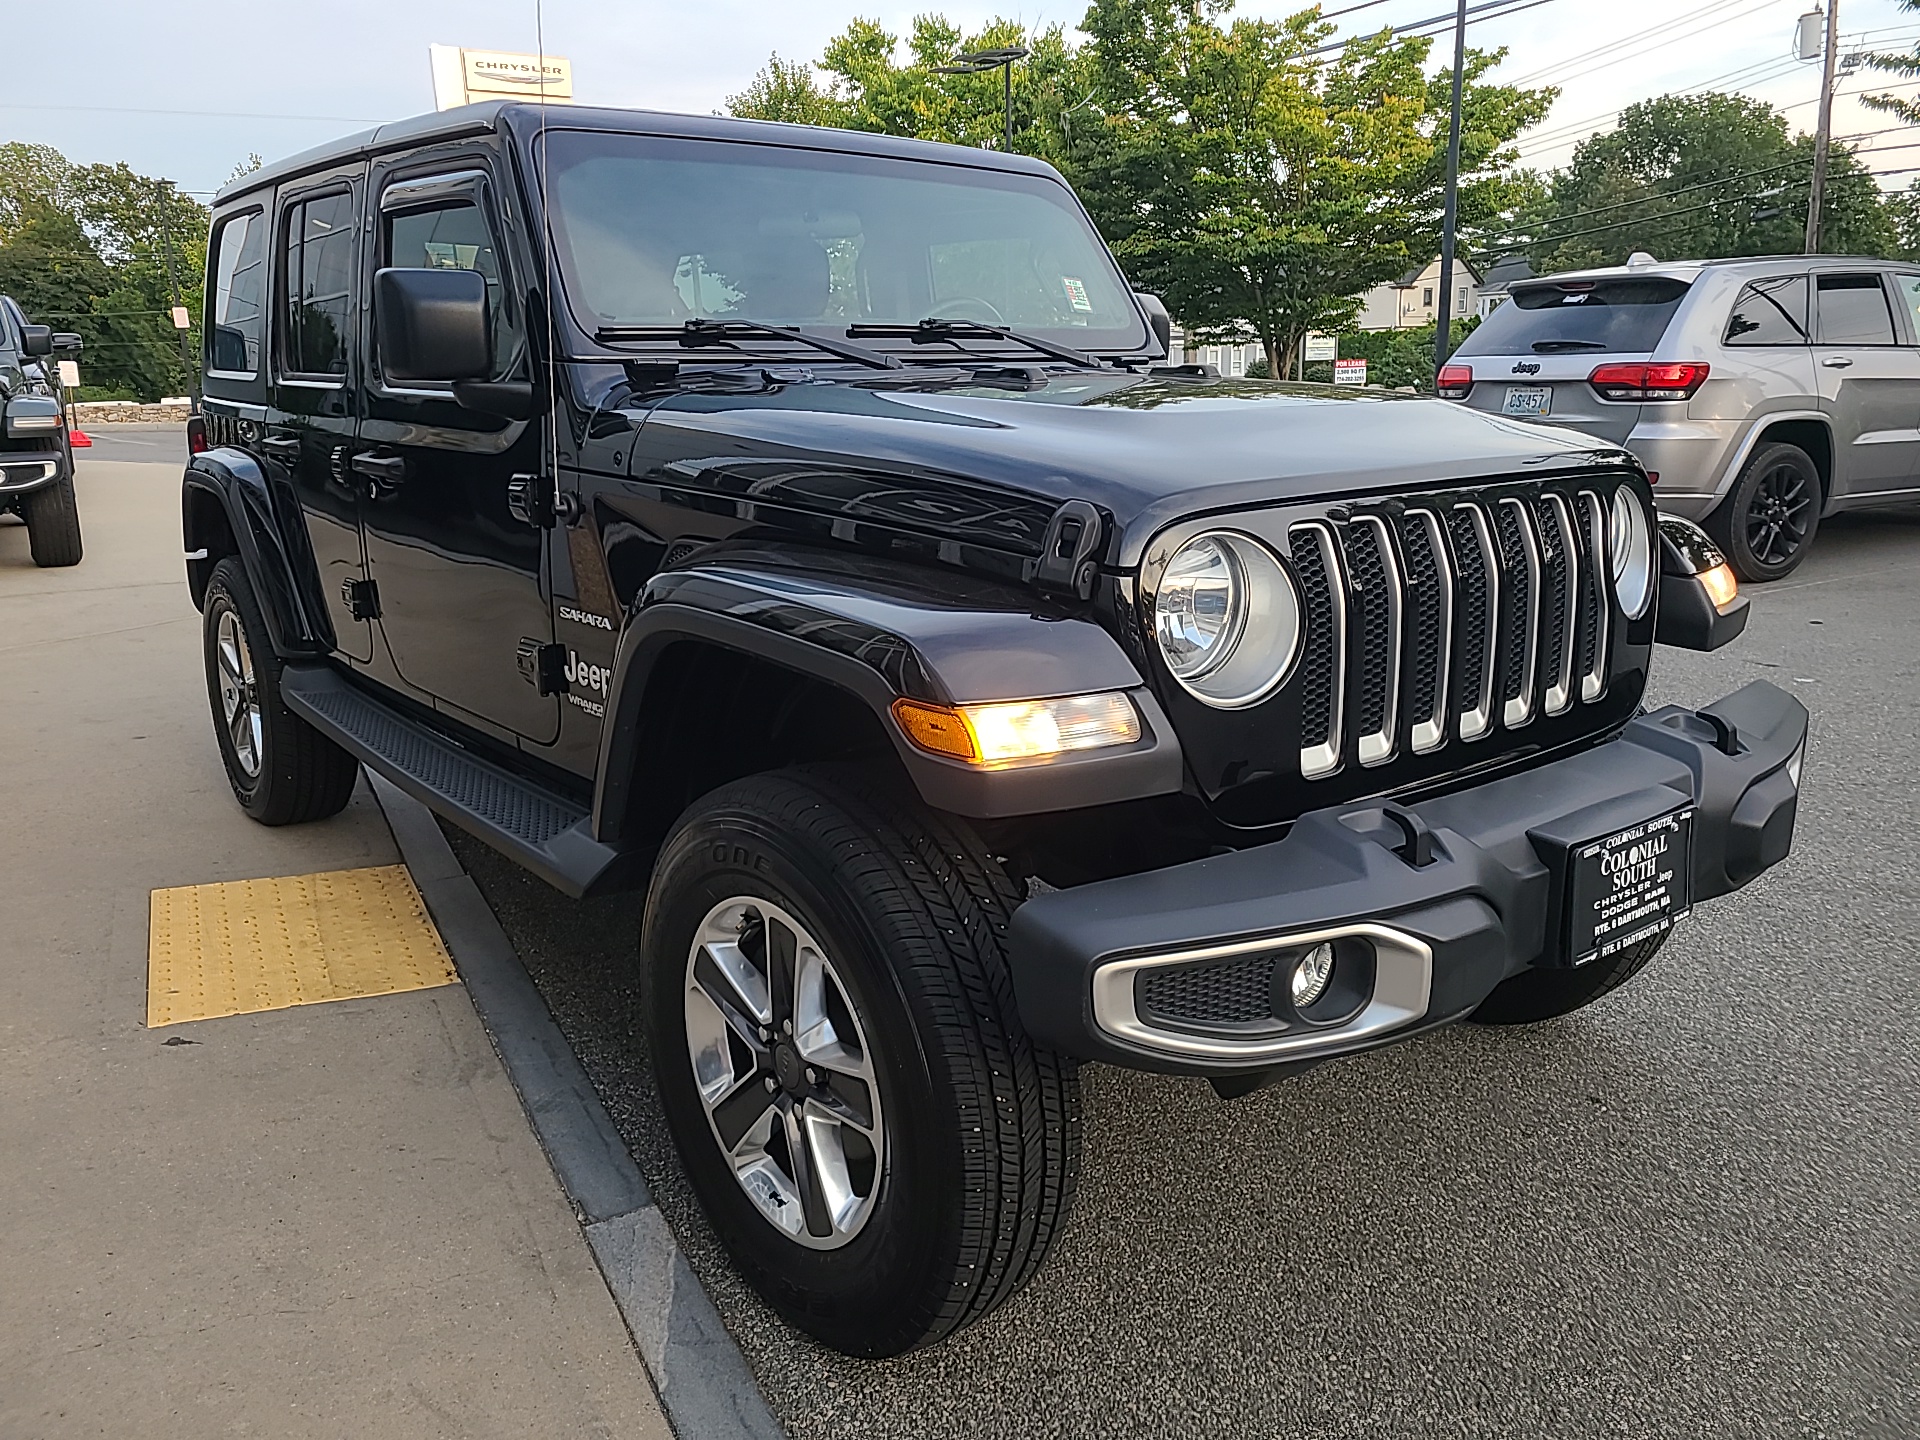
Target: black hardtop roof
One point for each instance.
(521, 117)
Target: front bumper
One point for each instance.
(1690, 457)
(1438, 936)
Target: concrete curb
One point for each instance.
(697, 1369)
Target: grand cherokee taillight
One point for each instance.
(1454, 382)
(1675, 380)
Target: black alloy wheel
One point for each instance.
(1767, 523)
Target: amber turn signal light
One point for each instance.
(1722, 588)
(1009, 732)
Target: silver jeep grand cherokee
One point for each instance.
(1760, 394)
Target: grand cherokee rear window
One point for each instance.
(1619, 317)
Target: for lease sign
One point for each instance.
(1350, 372)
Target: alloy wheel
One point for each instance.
(1777, 514)
(239, 692)
(782, 1065)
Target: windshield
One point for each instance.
(652, 231)
(1579, 317)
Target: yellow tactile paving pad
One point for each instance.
(250, 945)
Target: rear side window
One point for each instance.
(1770, 312)
(239, 299)
(1908, 287)
(1853, 311)
(1564, 317)
(319, 285)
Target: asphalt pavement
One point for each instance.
(1687, 1211)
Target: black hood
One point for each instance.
(1149, 450)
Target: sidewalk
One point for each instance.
(324, 1221)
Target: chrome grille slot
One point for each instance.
(1323, 659)
(1520, 620)
(1374, 577)
(1479, 626)
(1594, 609)
(1560, 550)
(1429, 592)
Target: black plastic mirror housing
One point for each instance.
(36, 341)
(432, 325)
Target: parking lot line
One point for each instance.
(251, 945)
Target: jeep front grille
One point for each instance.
(1441, 623)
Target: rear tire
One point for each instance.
(1546, 994)
(950, 1177)
(53, 524)
(283, 771)
(1768, 520)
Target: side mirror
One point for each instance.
(36, 340)
(432, 325)
(1701, 607)
(1158, 320)
(66, 344)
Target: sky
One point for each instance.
(188, 89)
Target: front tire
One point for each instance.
(882, 1150)
(283, 771)
(1770, 517)
(53, 524)
(1546, 994)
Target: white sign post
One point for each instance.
(1322, 347)
(69, 374)
(1350, 372)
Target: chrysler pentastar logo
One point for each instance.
(1526, 367)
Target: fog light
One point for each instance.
(1311, 974)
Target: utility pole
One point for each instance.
(1443, 329)
(1817, 193)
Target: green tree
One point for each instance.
(878, 86)
(1258, 187)
(1699, 177)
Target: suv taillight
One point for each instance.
(1454, 381)
(1673, 381)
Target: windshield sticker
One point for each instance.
(1077, 292)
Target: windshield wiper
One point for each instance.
(696, 334)
(936, 328)
(1548, 347)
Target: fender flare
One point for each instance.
(238, 485)
(1758, 425)
(879, 644)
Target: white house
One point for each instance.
(1413, 299)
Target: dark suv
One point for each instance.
(36, 462)
(802, 526)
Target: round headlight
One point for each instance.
(1630, 548)
(1226, 618)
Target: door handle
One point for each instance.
(386, 469)
(285, 446)
(1836, 362)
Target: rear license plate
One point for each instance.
(1629, 886)
(1528, 400)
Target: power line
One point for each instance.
(1714, 6)
(1658, 40)
(1417, 29)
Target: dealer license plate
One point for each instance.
(1528, 400)
(1629, 886)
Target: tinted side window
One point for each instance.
(1853, 311)
(1770, 312)
(239, 297)
(455, 237)
(319, 279)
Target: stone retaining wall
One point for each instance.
(129, 414)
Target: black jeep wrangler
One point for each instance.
(804, 527)
(36, 462)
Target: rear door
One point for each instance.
(1531, 357)
(464, 604)
(308, 432)
(1869, 380)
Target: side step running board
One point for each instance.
(547, 833)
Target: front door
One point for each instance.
(311, 401)
(460, 581)
(1869, 384)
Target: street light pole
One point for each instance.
(1443, 329)
(1817, 193)
(978, 62)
